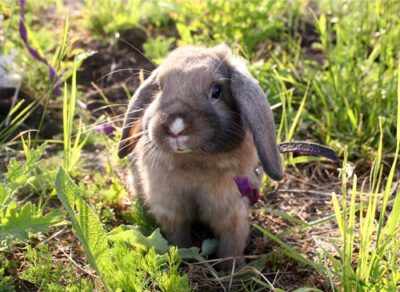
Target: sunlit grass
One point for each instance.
(343, 90)
(367, 255)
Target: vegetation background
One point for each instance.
(67, 70)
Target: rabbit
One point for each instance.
(197, 122)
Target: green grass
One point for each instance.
(72, 148)
(48, 275)
(368, 220)
(18, 221)
(109, 17)
(331, 72)
(106, 19)
(377, 261)
(120, 266)
(359, 84)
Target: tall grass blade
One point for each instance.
(290, 251)
(296, 119)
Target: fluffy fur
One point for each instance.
(189, 176)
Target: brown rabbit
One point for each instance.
(199, 121)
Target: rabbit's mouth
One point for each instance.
(176, 132)
(178, 144)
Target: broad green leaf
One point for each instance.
(258, 264)
(18, 222)
(157, 241)
(208, 247)
(138, 240)
(192, 253)
(248, 271)
(86, 226)
(18, 173)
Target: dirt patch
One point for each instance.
(107, 80)
(110, 77)
(48, 121)
(305, 195)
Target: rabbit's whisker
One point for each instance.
(137, 50)
(120, 70)
(107, 106)
(220, 63)
(131, 76)
(136, 135)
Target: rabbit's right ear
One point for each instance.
(133, 117)
(257, 115)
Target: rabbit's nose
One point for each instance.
(176, 127)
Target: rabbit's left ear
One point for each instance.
(257, 116)
(133, 117)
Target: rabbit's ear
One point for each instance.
(133, 117)
(257, 116)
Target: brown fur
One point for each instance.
(198, 184)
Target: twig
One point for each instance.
(78, 266)
(257, 272)
(55, 234)
(320, 193)
(232, 272)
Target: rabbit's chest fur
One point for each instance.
(194, 187)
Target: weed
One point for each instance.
(375, 266)
(6, 281)
(230, 22)
(116, 271)
(157, 48)
(17, 221)
(72, 149)
(157, 12)
(48, 276)
(32, 51)
(138, 215)
(103, 188)
(108, 17)
(358, 84)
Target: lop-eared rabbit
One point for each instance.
(195, 124)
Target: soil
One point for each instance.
(49, 126)
(107, 80)
(105, 73)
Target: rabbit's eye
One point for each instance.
(216, 91)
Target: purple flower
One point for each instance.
(105, 128)
(244, 186)
(35, 54)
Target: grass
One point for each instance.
(120, 267)
(50, 276)
(375, 269)
(361, 59)
(124, 14)
(331, 77)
